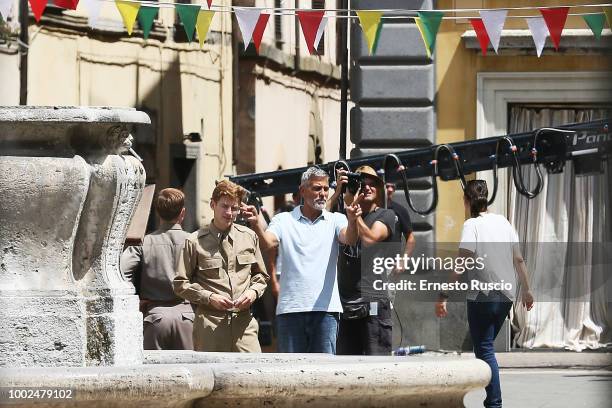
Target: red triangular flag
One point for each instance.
(260, 27)
(555, 21)
(481, 33)
(38, 6)
(209, 3)
(67, 4)
(310, 22)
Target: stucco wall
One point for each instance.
(9, 70)
(456, 72)
(188, 89)
(283, 123)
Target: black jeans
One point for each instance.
(368, 336)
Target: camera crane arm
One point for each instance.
(588, 145)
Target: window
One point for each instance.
(278, 25)
(320, 5)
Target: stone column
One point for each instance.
(67, 195)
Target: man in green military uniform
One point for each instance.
(221, 270)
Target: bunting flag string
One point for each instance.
(493, 21)
(428, 23)
(252, 21)
(247, 20)
(370, 24)
(203, 25)
(310, 21)
(146, 15)
(93, 7)
(260, 27)
(596, 23)
(67, 4)
(608, 13)
(6, 7)
(129, 12)
(188, 13)
(555, 21)
(320, 32)
(38, 7)
(481, 34)
(539, 32)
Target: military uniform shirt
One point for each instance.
(214, 262)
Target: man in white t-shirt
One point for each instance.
(309, 303)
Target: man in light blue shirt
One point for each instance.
(308, 237)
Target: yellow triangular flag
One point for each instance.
(369, 21)
(203, 24)
(608, 13)
(419, 24)
(129, 12)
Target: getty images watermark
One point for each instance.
(411, 264)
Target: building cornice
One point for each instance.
(308, 66)
(520, 42)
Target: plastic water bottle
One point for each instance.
(405, 351)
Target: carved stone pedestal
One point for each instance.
(67, 195)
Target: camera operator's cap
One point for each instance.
(370, 173)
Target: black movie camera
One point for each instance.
(354, 182)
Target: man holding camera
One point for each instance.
(221, 270)
(366, 324)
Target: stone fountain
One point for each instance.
(70, 321)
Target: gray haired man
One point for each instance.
(309, 304)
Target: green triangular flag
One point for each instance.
(428, 23)
(377, 37)
(596, 23)
(189, 15)
(146, 15)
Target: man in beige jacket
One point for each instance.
(221, 270)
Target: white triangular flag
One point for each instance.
(539, 32)
(5, 8)
(93, 11)
(493, 21)
(247, 20)
(320, 32)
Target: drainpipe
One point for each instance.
(296, 57)
(23, 51)
(344, 27)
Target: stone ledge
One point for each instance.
(307, 64)
(520, 42)
(152, 386)
(255, 380)
(72, 114)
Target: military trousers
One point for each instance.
(168, 326)
(216, 330)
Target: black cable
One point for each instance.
(383, 171)
(434, 174)
(456, 161)
(402, 171)
(513, 150)
(344, 164)
(517, 174)
(398, 320)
